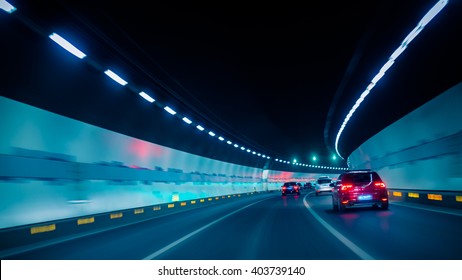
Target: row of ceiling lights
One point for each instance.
(402, 47)
(4, 5)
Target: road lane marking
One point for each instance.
(187, 236)
(350, 245)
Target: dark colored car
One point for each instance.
(308, 185)
(359, 188)
(290, 188)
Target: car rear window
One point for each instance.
(324, 181)
(361, 177)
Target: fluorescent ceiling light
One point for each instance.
(4, 5)
(397, 52)
(146, 96)
(170, 110)
(387, 66)
(200, 127)
(66, 45)
(115, 77)
(377, 78)
(186, 120)
(433, 12)
(412, 35)
(401, 48)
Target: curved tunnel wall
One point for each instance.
(54, 167)
(421, 151)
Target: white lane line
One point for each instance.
(173, 244)
(355, 249)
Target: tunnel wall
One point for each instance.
(420, 152)
(54, 167)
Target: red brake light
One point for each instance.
(380, 184)
(346, 187)
(284, 187)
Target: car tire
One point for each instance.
(334, 205)
(340, 206)
(384, 205)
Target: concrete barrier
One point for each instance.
(420, 155)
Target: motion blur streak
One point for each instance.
(173, 244)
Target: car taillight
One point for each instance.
(346, 187)
(380, 184)
(296, 187)
(284, 187)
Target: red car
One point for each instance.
(356, 188)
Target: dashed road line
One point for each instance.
(187, 236)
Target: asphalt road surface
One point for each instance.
(270, 227)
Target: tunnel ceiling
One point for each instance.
(277, 78)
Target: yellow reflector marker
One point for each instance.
(435, 196)
(217, 198)
(239, 195)
(171, 205)
(229, 196)
(459, 198)
(139, 211)
(40, 229)
(223, 196)
(156, 208)
(209, 199)
(86, 221)
(202, 200)
(413, 195)
(116, 215)
(193, 202)
(183, 204)
(397, 194)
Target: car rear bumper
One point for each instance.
(323, 190)
(354, 201)
(291, 192)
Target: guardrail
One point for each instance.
(451, 199)
(15, 239)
